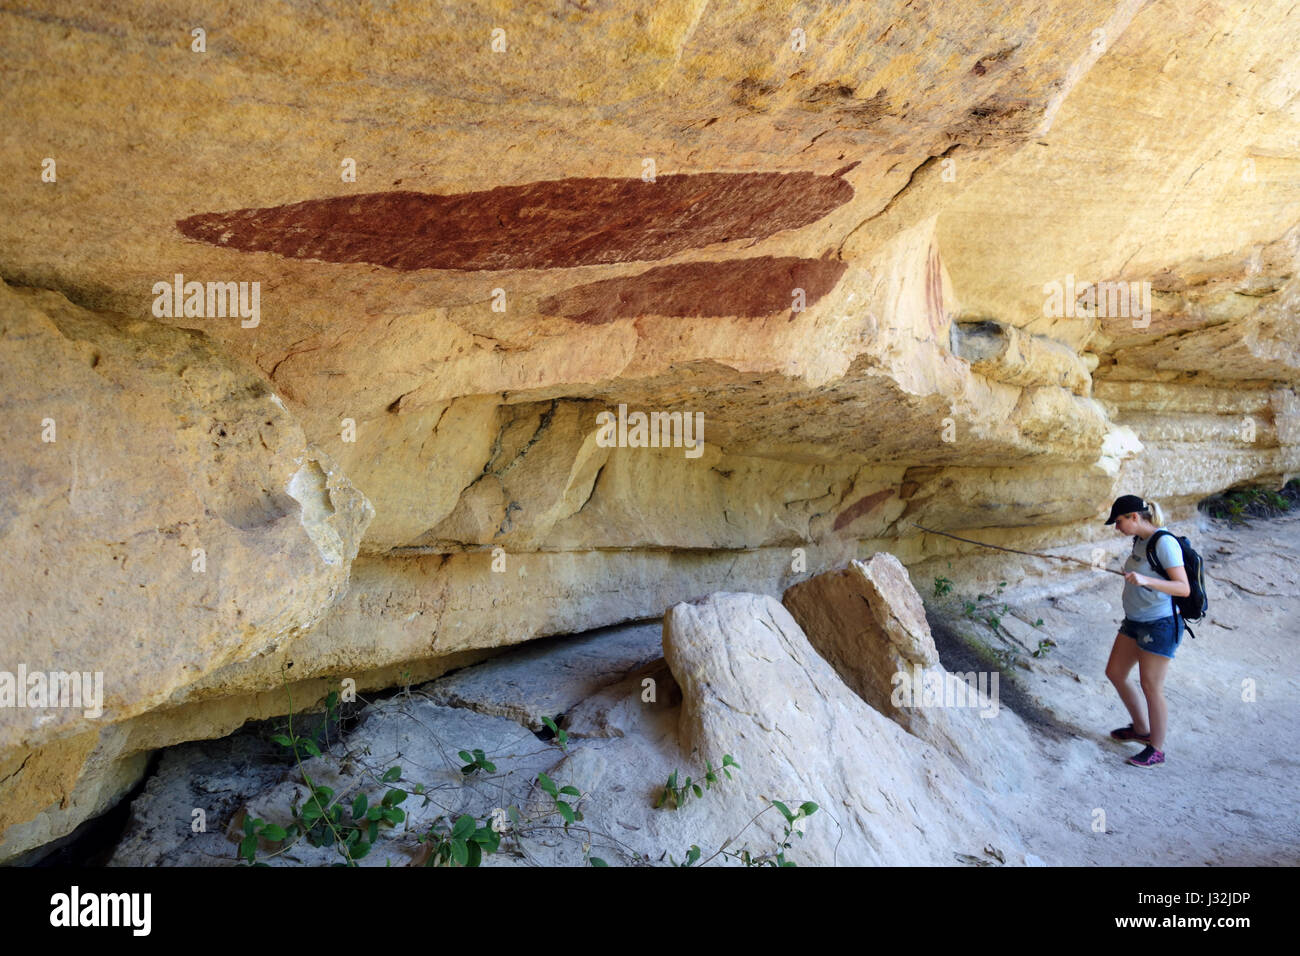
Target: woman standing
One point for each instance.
(1151, 631)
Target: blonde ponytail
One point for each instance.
(1157, 513)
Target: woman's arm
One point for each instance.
(1178, 587)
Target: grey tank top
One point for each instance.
(1147, 604)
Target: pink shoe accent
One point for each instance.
(1149, 757)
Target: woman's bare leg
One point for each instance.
(1151, 673)
(1123, 655)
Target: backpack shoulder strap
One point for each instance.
(1152, 558)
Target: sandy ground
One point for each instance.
(1228, 793)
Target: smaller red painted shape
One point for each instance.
(760, 286)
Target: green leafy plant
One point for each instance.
(692, 856)
(320, 818)
(256, 830)
(561, 737)
(674, 796)
(1045, 645)
(942, 586)
(352, 825)
(569, 811)
(1237, 503)
(793, 825)
(988, 609)
(462, 842)
(476, 760)
(310, 743)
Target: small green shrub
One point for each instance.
(462, 843)
(674, 796)
(569, 811)
(793, 825)
(476, 760)
(1238, 503)
(561, 737)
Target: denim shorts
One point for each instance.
(1161, 636)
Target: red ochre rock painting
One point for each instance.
(861, 507)
(542, 225)
(742, 287)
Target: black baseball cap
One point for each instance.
(1125, 504)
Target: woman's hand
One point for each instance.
(1176, 585)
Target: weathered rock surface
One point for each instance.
(243, 540)
(866, 619)
(754, 687)
(850, 619)
(868, 622)
(549, 677)
(887, 141)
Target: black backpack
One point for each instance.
(1194, 606)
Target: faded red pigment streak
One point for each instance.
(861, 507)
(741, 287)
(542, 225)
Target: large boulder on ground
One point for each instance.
(869, 624)
(753, 686)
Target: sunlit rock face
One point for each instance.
(962, 267)
(164, 518)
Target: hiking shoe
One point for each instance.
(1127, 733)
(1149, 757)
